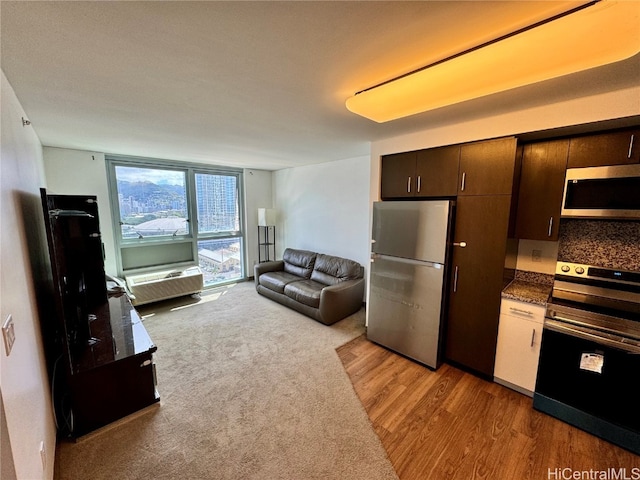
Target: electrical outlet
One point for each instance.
(536, 255)
(8, 334)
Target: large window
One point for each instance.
(152, 202)
(219, 255)
(217, 199)
(170, 215)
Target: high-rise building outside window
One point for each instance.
(217, 197)
(218, 211)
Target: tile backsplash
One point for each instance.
(603, 243)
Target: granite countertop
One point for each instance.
(529, 287)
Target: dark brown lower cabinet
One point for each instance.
(483, 262)
(111, 392)
(115, 375)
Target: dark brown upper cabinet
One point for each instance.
(487, 167)
(611, 148)
(437, 172)
(425, 173)
(398, 172)
(541, 188)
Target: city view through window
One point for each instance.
(154, 204)
(217, 201)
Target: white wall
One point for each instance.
(24, 385)
(257, 194)
(325, 208)
(77, 172)
(544, 261)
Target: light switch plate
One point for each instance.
(8, 334)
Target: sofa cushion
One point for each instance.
(306, 292)
(299, 262)
(330, 270)
(276, 281)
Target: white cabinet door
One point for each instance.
(518, 350)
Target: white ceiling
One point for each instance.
(250, 84)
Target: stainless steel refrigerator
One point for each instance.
(408, 277)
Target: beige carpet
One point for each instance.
(249, 390)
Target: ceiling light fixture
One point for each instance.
(597, 34)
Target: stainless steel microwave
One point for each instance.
(602, 192)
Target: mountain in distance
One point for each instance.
(148, 192)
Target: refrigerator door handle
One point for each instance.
(409, 261)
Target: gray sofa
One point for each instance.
(323, 287)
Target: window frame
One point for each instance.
(194, 236)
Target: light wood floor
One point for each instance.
(449, 424)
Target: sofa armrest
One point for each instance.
(341, 300)
(264, 267)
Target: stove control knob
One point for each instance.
(565, 268)
(579, 270)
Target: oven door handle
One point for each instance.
(620, 343)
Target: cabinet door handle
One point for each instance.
(520, 311)
(460, 244)
(464, 178)
(419, 183)
(455, 280)
(408, 184)
(533, 336)
(630, 146)
(550, 225)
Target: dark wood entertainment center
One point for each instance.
(114, 376)
(99, 354)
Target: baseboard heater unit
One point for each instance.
(156, 286)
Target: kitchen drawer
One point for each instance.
(523, 310)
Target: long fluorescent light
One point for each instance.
(600, 34)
